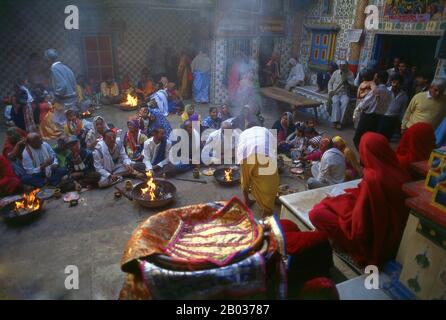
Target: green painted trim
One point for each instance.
(318, 67)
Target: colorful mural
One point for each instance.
(415, 10)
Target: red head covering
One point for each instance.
(416, 145)
(373, 216)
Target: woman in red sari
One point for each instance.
(368, 222)
(13, 136)
(416, 144)
(9, 183)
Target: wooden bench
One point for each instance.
(296, 101)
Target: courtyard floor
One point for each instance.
(92, 235)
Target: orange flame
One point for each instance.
(29, 203)
(86, 113)
(228, 175)
(151, 186)
(132, 101)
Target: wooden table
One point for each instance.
(296, 101)
(296, 207)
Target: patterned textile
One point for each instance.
(145, 280)
(196, 234)
(217, 239)
(242, 278)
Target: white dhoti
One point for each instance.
(119, 169)
(339, 106)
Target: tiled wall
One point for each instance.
(343, 15)
(35, 28)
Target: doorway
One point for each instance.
(99, 58)
(266, 49)
(416, 51)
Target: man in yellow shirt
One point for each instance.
(428, 107)
(110, 92)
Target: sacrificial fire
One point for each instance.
(228, 175)
(151, 186)
(30, 203)
(131, 101)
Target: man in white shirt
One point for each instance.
(373, 108)
(63, 81)
(330, 170)
(391, 122)
(40, 163)
(338, 88)
(296, 76)
(156, 150)
(111, 160)
(394, 69)
(215, 149)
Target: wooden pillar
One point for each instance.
(355, 47)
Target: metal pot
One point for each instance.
(163, 186)
(11, 217)
(219, 175)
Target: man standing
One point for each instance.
(296, 76)
(272, 70)
(394, 69)
(428, 107)
(63, 83)
(391, 121)
(201, 69)
(373, 108)
(331, 169)
(338, 90)
(40, 163)
(257, 156)
(408, 78)
(110, 160)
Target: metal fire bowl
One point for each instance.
(166, 186)
(260, 245)
(126, 107)
(10, 217)
(219, 175)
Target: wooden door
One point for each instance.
(99, 57)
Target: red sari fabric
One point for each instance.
(416, 144)
(369, 220)
(9, 183)
(9, 144)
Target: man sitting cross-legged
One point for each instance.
(80, 165)
(40, 163)
(110, 160)
(156, 150)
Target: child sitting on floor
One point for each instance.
(76, 127)
(189, 114)
(313, 152)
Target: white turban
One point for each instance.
(292, 61)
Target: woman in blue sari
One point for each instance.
(158, 120)
(440, 134)
(212, 121)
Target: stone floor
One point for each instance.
(92, 235)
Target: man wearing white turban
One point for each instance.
(338, 88)
(296, 76)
